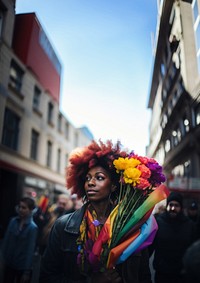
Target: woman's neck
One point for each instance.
(102, 210)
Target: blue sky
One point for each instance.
(105, 49)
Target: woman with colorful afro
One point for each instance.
(69, 258)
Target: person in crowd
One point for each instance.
(193, 211)
(41, 217)
(64, 205)
(191, 263)
(77, 203)
(176, 232)
(19, 244)
(91, 175)
(193, 214)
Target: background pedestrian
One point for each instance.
(19, 244)
(176, 232)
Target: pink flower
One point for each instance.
(143, 184)
(146, 172)
(142, 159)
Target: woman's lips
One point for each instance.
(91, 192)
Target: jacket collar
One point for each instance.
(74, 220)
(27, 221)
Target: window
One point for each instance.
(175, 97)
(164, 94)
(50, 113)
(66, 159)
(173, 43)
(58, 159)
(59, 122)
(197, 115)
(175, 137)
(49, 153)
(164, 120)
(169, 108)
(67, 130)
(167, 145)
(180, 88)
(46, 45)
(186, 125)
(76, 139)
(36, 98)
(1, 22)
(187, 168)
(162, 69)
(16, 76)
(34, 144)
(167, 83)
(179, 135)
(10, 129)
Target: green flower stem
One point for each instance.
(126, 203)
(132, 210)
(119, 208)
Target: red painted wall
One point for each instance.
(42, 61)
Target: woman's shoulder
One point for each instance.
(71, 220)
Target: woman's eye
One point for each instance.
(100, 178)
(87, 178)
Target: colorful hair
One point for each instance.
(95, 154)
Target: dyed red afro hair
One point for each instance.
(95, 154)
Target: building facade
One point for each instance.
(174, 97)
(35, 137)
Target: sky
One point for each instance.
(105, 49)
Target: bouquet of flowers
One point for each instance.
(130, 226)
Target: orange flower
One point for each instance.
(146, 173)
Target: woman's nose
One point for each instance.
(91, 181)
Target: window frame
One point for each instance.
(11, 129)
(16, 76)
(34, 144)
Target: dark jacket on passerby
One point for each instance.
(173, 237)
(59, 263)
(191, 263)
(193, 214)
(19, 245)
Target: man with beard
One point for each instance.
(175, 234)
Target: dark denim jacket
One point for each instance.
(59, 261)
(19, 245)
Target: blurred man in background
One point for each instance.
(176, 232)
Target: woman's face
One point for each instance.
(98, 185)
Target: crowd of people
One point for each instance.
(45, 219)
(59, 232)
(27, 235)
